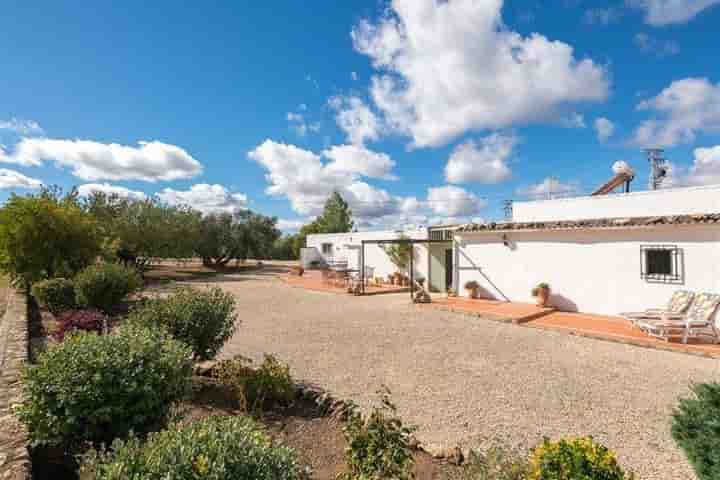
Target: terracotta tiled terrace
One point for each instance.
(601, 327)
(313, 280)
(512, 312)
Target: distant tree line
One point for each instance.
(53, 234)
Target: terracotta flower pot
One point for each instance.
(542, 297)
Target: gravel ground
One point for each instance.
(468, 381)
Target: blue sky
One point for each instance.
(417, 111)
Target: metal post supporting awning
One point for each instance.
(396, 241)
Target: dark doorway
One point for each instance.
(448, 268)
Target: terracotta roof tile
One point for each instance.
(629, 222)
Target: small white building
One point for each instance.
(600, 254)
(431, 260)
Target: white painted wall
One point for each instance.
(593, 271)
(676, 201)
(346, 246)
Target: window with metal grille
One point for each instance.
(327, 248)
(661, 263)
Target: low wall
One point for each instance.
(14, 455)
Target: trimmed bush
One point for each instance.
(56, 294)
(216, 448)
(256, 389)
(696, 429)
(574, 459)
(105, 285)
(497, 463)
(86, 320)
(379, 445)
(93, 388)
(202, 319)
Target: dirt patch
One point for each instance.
(165, 272)
(314, 435)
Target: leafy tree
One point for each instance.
(336, 216)
(219, 241)
(139, 230)
(284, 248)
(257, 234)
(224, 237)
(45, 236)
(400, 253)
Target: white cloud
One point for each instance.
(448, 67)
(205, 198)
(550, 188)
(451, 201)
(604, 128)
(649, 44)
(574, 120)
(307, 181)
(21, 127)
(705, 169)
(13, 179)
(122, 192)
(664, 12)
(291, 225)
(602, 16)
(355, 119)
(354, 75)
(90, 160)
(683, 109)
(359, 160)
(483, 161)
(299, 124)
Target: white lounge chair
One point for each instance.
(698, 320)
(677, 305)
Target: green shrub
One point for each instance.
(696, 429)
(497, 463)
(45, 236)
(256, 389)
(217, 448)
(378, 446)
(92, 388)
(56, 294)
(105, 285)
(203, 319)
(574, 459)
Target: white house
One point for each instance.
(600, 254)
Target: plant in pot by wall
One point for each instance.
(541, 292)
(472, 288)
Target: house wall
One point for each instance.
(676, 201)
(346, 246)
(594, 271)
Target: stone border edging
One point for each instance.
(14, 351)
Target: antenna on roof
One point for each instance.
(508, 207)
(658, 167)
(552, 182)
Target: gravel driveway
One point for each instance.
(463, 380)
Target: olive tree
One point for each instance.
(45, 236)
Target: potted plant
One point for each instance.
(541, 292)
(450, 292)
(472, 288)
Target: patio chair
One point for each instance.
(698, 320)
(677, 305)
